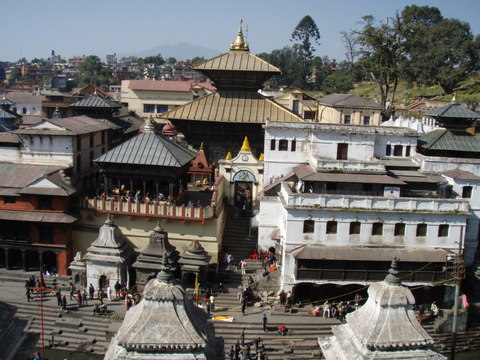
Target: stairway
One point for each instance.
(237, 238)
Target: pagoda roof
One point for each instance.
(149, 148)
(450, 140)
(233, 107)
(6, 102)
(8, 114)
(236, 60)
(95, 101)
(453, 111)
(200, 165)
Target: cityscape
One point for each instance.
(278, 205)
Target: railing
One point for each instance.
(159, 209)
(372, 203)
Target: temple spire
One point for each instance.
(246, 145)
(392, 277)
(240, 43)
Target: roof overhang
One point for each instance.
(37, 216)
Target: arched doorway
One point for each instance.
(243, 195)
(49, 259)
(15, 260)
(32, 261)
(103, 282)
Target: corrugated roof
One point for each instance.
(349, 100)
(412, 176)
(37, 216)
(22, 97)
(95, 101)
(20, 175)
(369, 254)
(233, 107)
(460, 175)
(442, 139)
(148, 148)
(452, 111)
(8, 137)
(75, 125)
(237, 61)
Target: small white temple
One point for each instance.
(164, 325)
(384, 328)
(108, 258)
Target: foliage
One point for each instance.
(157, 60)
(337, 83)
(91, 71)
(197, 60)
(14, 77)
(287, 61)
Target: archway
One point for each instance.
(15, 260)
(32, 262)
(103, 282)
(49, 259)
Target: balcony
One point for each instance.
(293, 199)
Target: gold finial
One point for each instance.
(229, 156)
(261, 158)
(240, 43)
(201, 147)
(245, 145)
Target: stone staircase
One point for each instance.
(237, 238)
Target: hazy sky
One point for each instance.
(32, 28)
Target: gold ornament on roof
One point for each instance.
(245, 145)
(261, 158)
(229, 156)
(240, 43)
(201, 147)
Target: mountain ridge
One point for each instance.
(180, 51)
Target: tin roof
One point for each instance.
(149, 148)
(237, 61)
(233, 107)
(7, 114)
(21, 175)
(76, 125)
(460, 175)
(162, 85)
(95, 101)
(349, 100)
(442, 139)
(453, 110)
(308, 252)
(37, 216)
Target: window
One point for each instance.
(342, 151)
(44, 203)
(296, 106)
(162, 108)
(308, 226)
(9, 200)
(148, 108)
(346, 119)
(467, 192)
(399, 229)
(377, 228)
(407, 150)
(309, 115)
(421, 230)
(24, 110)
(331, 227)
(443, 231)
(388, 150)
(355, 227)
(294, 145)
(366, 120)
(45, 234)
(272, 144)
(283, 145)
(397, 150)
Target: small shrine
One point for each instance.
(194, 262)
(200, 172)
(384, 328)
(78, 270)
(164, 325)
(244, 174)
(109, 257)
(148, 263)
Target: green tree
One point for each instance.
(171, 60)
(14, 77)
(438, 51)
(155, 59)
(91, 66)
(337, 83)
(286, 59)
(197, 60)
(305, 35)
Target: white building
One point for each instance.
(341, 201)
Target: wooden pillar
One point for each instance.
(24, 263)
(144, 187)
(7, 265)
(40, 259)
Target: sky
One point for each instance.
(32, 28)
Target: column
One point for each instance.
(24, 263)
(40, 260)
(7, 266)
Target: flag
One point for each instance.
(42, 281)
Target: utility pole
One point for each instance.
(459, 274)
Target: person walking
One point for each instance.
(212, 304)
(109, 293)
(91, 290)
(264, 322)
(85, 297)
(79, 298)
(29, 297)
(58, 294)
(242, 337)
(244, 304)
(118, 288)
(243, 266)
(64, 302)
(72, 291)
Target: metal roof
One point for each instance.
(95, 101)
(448, 140)
(460, 175)
(369, 254)
(452, 111)
(24, 97)
(233, 107)
(48, 217)
(8, 114)
(7, 125)
(76, 125)
(149, 148)
(349, 100)
(163, 85)
(20, 175)
(237, 61)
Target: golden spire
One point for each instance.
(261, 158)
(229, 156)
(201, 147)
(240, 43)
(245, 145)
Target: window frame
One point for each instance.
(308, 226)
(331, 227)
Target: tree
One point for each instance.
(286, 59)
(337, 83)
(197, 60)
(438, 51)
(91, 66)
(306, 34)
(155, 59)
